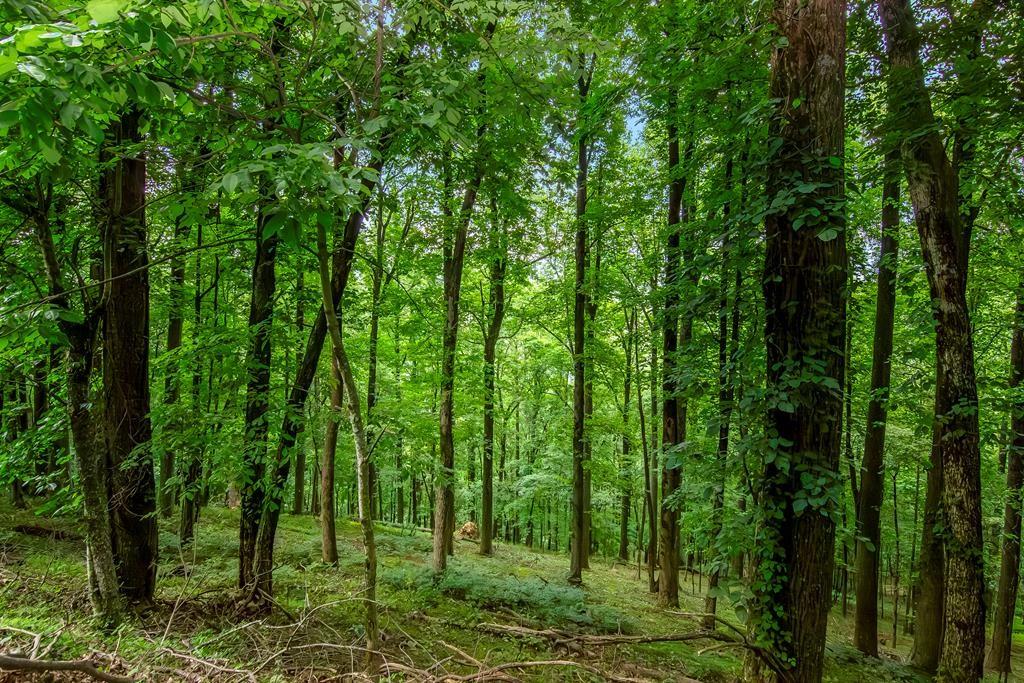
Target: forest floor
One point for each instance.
(196, 632)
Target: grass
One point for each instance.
(196, 628)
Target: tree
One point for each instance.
(805, 329)
(125, 309)
(934, 194)
(1009, 572)
(871, 471)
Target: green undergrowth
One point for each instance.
(315, 629)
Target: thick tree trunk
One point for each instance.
(865, 635)
(805, 330)
(1009, 572)
(668, 561)
(934, 193)
(578, 531)
(126, 363)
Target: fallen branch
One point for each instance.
(565, 638)
(8, 663)
(496, 671)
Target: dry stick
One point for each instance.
(491, 672)
(207, 663)
(84, 666)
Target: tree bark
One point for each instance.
(192, 494)
(728, 346)
(624, 478)
(327, 526)
(126, 361)
(89, 447)
(935, 196)
(1009, 573)
(299, 498)
(668, 582)
(865, 635)
(172, 383)
(257, 406)
(352, 402)
(804, 289)
(579, 536)
(498, 248)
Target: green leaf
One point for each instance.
(104, 11)
(9, 117)
(69, 113)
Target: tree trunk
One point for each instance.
(353, 405)
(805, 330)
(299, 499)
(1009, 572)
(257, 406)
(498, 248)
(728, 346)
(327, 467)
(624, 478)
(190, 488)
(89, 451)
(668, 583)
(172, 384)
(126, 363)
(454, 258)
(578, 532)
(865, 635)
(934, 193)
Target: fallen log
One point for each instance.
(8, 663)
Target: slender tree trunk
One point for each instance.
(624, 478)
(190, 488)
(454, 259)
(1009, 573)
(353, 405)
(935, 195)
(865, 635)
(804, 289)
(728, 344)
(299, 499)
(257, 407)
(651, 467)
(498, 248)
(377, 279)
(126, 364)
(172, 384)
(327, 469)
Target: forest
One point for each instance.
(501, 340)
